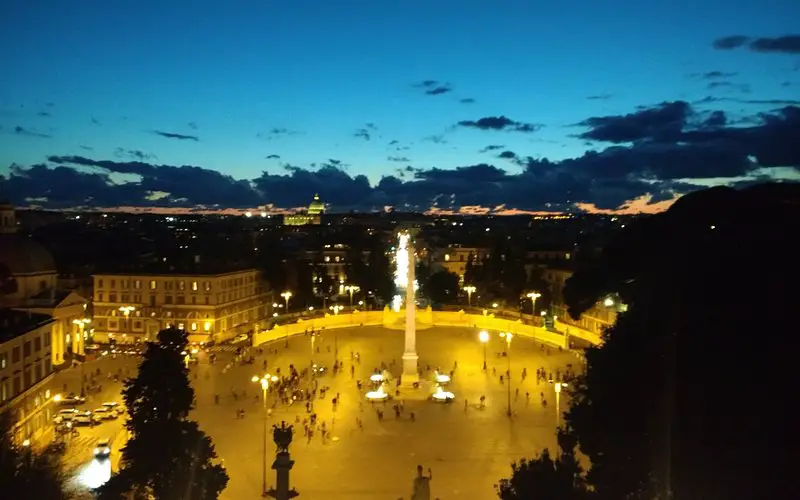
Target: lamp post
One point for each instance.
(286, 296)
(533, 296)
(127, 310)
(508, 336)
(264, 381)
(351, 289)
(336, 308)
(483, 336)
(557, 386)
(470, 290)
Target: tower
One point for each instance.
(410, 357)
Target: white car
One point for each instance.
(115, 407)
(103, 449)
(83, 417)
(66, 415)
(241, 338)
(105, 413)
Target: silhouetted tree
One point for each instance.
(168, 456)
(26, 473)
(685, 398)
(380, 275)
(547, 478)
(8, 284)
(442, 288)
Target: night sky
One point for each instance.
(413, 104)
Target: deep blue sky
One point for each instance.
(309, 81)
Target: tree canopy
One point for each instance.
(442, 287)
(27, 473)
(167, 456)
(687, 397)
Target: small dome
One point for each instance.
(316, 206)
(22, 255)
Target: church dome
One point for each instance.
(316, 206)
(22, 255)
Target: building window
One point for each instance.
(137, 325)
(112, 297)
(207, 286)
(207, 300)
(100, 283)
(152, 301)
(26, 349)
(123, 283)
(126, 298)
(15, 355)
(181, 285)
(180, 326)
(168, 299)
(327, 258)
(113, 283)
(37, 344)
(168, 285)
(194, 300)
(3, 360)
(180, 300)
(137, 284)
(194, 327)
(153, 284)
(194, 286)
(113, 324)
(100, 296)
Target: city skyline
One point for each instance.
(415, 106)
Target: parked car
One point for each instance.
(66, 415)
(83, 418)
(103, 449)
(115, 407)
(241, 338)
(71, 399)
(105, 413)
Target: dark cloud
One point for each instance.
(180, 137)
(436, 139)
(434, 87)
(273, 157)
(657, 150)
(192, 125)
(499, 123)
(492, 147)
(713, 75)
(467, 100)
(398, 159)
(95, 121)
(371, 126)
(362, 133)
(44, 114)
(730, 42)
(665, 119)
(29, 132)
(86, 148)
(276, 133)
(741, 87)
(133, 154)
(787, 44)
(599, 97)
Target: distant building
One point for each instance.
(454, 259)
(332, 258)
(131, 308)
(595, 319)
(312, 215)
(26, 371)
(29, 282)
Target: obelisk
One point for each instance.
(410, 358)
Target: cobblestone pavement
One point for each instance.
(468, 449)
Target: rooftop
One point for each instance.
(14, 323)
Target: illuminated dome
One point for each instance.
(19, 254)
(316, 207)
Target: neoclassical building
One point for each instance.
(28, 282)
(312, 215)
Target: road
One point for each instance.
(78, 460)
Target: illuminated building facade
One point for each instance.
(26, 370)
(134, 308)
(312, 215)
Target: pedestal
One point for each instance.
(282, 465)
(410, 369)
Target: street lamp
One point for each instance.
(508, 336)
(533, 296)
(351, 289)
(127, 310)
(470, 290)
(264, 381)
(557, 386)
(286, 296)
(483, 336)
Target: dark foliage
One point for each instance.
(168, 456)
(545, 477)
(26, 473)
(689, 393)
(442, 287)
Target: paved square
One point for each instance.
(468, 449)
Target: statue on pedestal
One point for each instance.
(282, 436)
